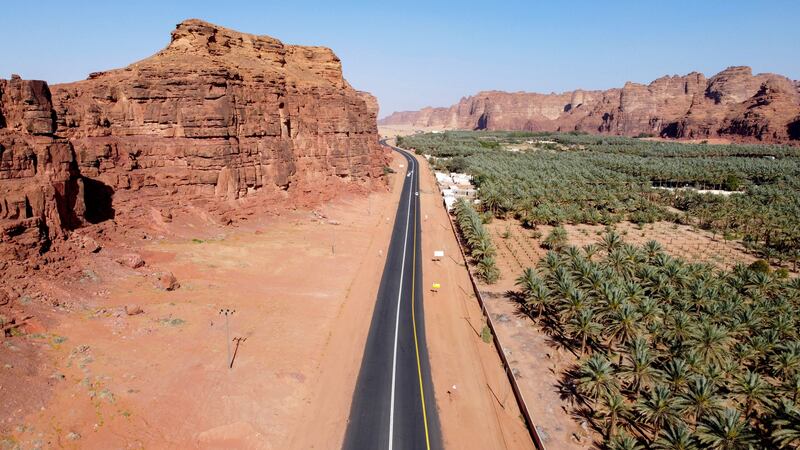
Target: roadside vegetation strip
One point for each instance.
(748, 193)
(477, 239)
(520, 399)
(672, 354)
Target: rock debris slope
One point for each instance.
(733, 104)
(217, 114)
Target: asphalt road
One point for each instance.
(393, 404)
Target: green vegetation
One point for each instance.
(476, 240)
(579, 178)
(673, 355)
(486, 334)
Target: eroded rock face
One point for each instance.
(40, 188)
(220, 111)
(217, 114)
(734, 103)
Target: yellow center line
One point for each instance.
(414, 321)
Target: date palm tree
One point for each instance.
(614, 408)
(652, 249)
(700, 399)
(487, 269)
(676, 374)
(624, 441)
(724, 430)
(752, 391)
(786, 432)
(678, 329)
(596, 378)
(638, 370)
(610, 242)
(675, 436)
(658, 408)
(584, 327)
(791, 388)
(589, 250)
(481, 244)
(711, 342)
(556, 239)
(623, 324)
(527, 282)
(787, 362)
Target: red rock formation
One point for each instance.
(39, 183)
(734, 103)
(216, 114)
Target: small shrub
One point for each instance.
(760, 265)
(556, 239)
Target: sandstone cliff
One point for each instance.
(734, 103)
(217, 114)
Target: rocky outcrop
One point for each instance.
(734, 104)
(40, 188)
(216, 114)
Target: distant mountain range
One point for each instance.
(733, 104)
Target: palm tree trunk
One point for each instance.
(612, 428)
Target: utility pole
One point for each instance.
(227, 313)
(238, 341)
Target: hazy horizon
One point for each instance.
(419, 55)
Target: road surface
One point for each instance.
(393, 403)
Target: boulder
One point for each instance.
(133, 310)
(131, 260)
(166, 281)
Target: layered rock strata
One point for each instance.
(733, 104)
(217, 114)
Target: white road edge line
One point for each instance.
(399, 296)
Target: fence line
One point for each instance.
(523, 406)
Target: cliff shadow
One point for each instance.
(794, 130)
(98, 198)
(670, 131)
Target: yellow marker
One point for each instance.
(436, 285)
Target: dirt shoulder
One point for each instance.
(476, 405)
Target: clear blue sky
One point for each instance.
(413, 54)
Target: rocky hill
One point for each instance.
(733, 104)
(217, 115)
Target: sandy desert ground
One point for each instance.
(101, 378)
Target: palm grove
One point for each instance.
(673, 355)
(604, 180)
